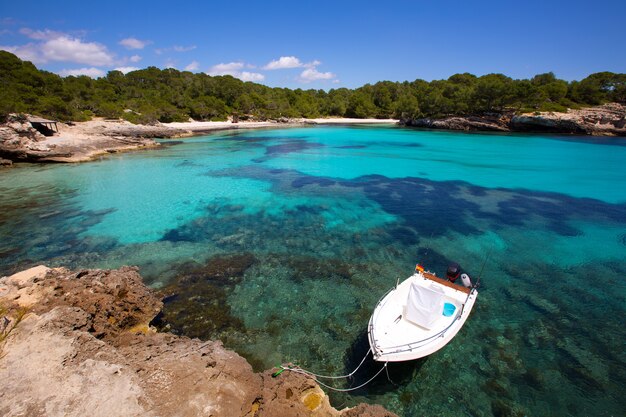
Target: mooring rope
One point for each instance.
(290, 367)
(300, 371)
(317, 377)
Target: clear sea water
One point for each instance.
(280, 242)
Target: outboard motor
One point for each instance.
(465, 279)
(453, 272)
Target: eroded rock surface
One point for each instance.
(78, 142)
(496, 122)
(85, 347)
(605, 120)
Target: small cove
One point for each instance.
(280, 242)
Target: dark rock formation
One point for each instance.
(605, 120)
(76, 142)
(496, 123)
(20, 141)
(86, 348)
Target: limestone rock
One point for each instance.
(76, 142)
(476, 123)
(605, 120)
(364, 410)
(86, 348)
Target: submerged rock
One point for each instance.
(86, 348)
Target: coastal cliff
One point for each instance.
(77, 343)
(20, 142)
(605, 120)
(85, 141)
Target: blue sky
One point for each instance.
(320, 44)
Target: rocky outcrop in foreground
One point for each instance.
(20, 142)
(85, 347)
(605, 120)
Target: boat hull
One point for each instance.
(394, 338)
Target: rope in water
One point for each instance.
(297, 370)
(292, 367)
(317, 377)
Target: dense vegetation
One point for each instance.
(168, 95)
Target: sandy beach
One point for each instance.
(348, 121)
(209, 126)
(194, 127)
(85, 141)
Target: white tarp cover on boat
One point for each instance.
(424, 305)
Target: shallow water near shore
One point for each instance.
(280, 243)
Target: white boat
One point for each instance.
(419, 316)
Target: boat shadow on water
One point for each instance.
(397, 373)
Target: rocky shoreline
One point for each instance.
(605, 120)
(77, 142)
(78, 343)
(85, 141)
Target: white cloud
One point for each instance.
(184, 48)
(28, 52)
(41, 34)
(133, 43)
(250, 76)
(234, 69)
(193, 66)
(135, 58)
(229, 68)
(311, 74)
(312, 64)
(69, 49)
(284, 62)
(126, 70)
(170, 63)
(90, 72)
(57, 46)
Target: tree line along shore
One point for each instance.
(153, 95)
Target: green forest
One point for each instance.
(168, 95)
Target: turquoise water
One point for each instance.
(280, 242)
